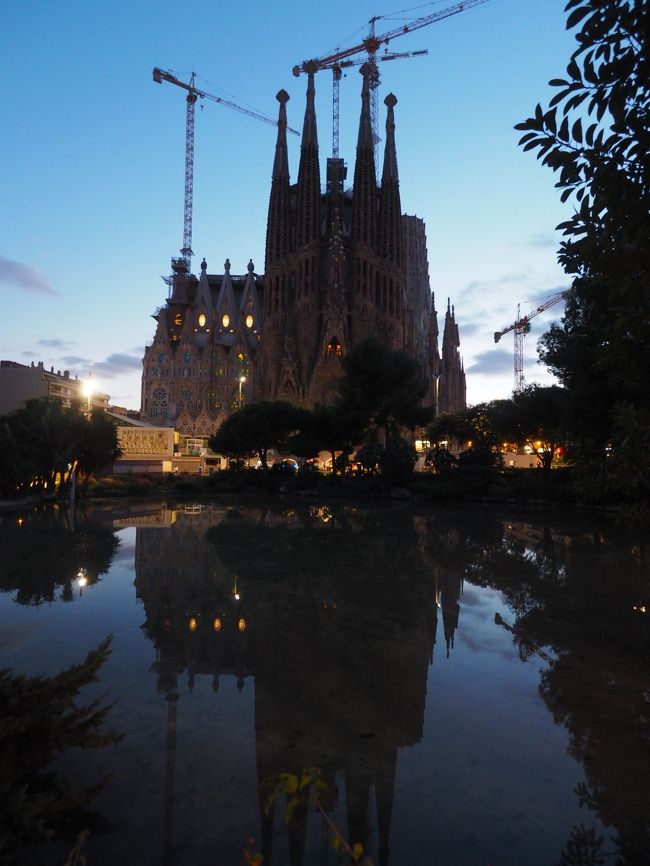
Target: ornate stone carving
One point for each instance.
(148, 441)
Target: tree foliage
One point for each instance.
(44, 441)
(596, 135)
(536, 417)
(259, 427)
(328, 428)
(383, 388)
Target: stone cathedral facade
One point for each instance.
(341, 265)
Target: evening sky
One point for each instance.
(92, 162)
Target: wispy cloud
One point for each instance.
(55, 343)
(543, 240)
(468, 329)
(28, 354)
(76, 361)
(491, 361)
(26, 277)
(117, 364)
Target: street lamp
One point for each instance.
(242, 379)
(88, 389)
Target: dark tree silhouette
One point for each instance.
(596, 136)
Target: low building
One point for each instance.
(22, 382)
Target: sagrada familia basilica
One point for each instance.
(341, 265)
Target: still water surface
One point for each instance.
(474, 688)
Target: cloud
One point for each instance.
(543, 240)
(468, 329)
(117, 364)
(28, 354)
(55, 343)
(492, 361)
(76, 361)
(26, 277)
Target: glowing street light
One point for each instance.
(242, 379)
(88, 389)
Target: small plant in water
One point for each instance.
(298, 792)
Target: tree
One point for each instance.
(258, 427)
(98, 444)
(383, 388)
(536, 417)
(327, 428)
(596, 134)
(42, 443)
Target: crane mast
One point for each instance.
(338, 60)
(193, 93)
(521, 326)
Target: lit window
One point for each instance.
(241, 624)
(249, 321)
(202, 320)
(192, 624)
(217, 624)
(179, 319)
(226, 320)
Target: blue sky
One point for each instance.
(92, 162)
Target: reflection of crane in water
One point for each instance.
(529, 647)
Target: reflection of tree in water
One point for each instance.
(40, 720)
(597, 689)
(41, 555)
(579, 595)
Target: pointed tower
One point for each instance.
(451, 387)
(226, 308)
(390, 236)
(278, 266)
(278, 226)
(308, 191)
(303, 291)
(390, 208)
(366, 282)
(202, 313)
(364, 192)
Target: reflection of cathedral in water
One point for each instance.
(334, 621)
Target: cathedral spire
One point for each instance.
(390, 208)
(364, 198)
(390, 153)
(278, 228)
(452, 395)
(281, 164)
(309, 132)
(308, 198)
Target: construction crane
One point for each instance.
(193, 93)
(339, 60)
(521, 326)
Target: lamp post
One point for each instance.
(242, 379)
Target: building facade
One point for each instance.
(22, 382)
(341, 265)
